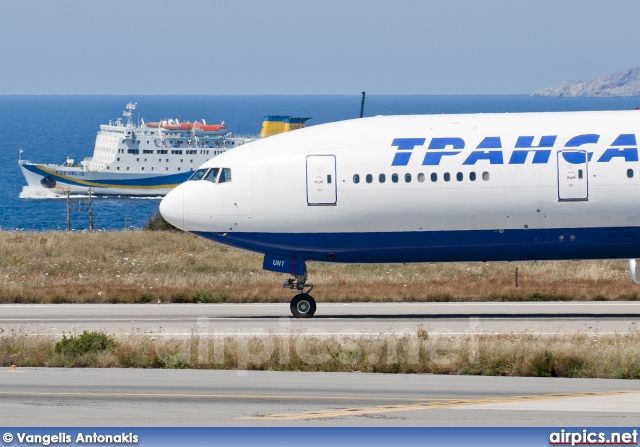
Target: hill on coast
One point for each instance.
(620, 84)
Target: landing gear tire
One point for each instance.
(303, 306)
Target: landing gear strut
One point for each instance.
(302, 305)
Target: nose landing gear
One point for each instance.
(302, 305)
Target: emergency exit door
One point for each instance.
(573, 181)
(321, 180)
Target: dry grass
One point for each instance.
(144, 266)
(578, 355)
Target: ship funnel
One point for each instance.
(275, 124)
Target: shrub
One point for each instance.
(157, 223)
(148, 298)
(543, 364)
(87, 342)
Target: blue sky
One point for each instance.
(311, 47)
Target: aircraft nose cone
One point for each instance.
(172, 207)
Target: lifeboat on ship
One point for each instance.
(171, 124)
(178, 126)
(198, 127)
(209, 129)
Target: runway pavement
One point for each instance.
(331, 318)
(130, 397)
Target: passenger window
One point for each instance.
(212, 175)
(580, 173)
(447, 177)
(369, 178)
(485, 176)
(225, 175)
(630, 173)
(472, 176)
(421, 177)
(459, 176)
(198, 175)
(407, 178)
(356, 178)
(394, 178)
(434, 177)
(381, 178)
(328, 179)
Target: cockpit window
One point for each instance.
(198, 175)
(225, 175)
(212, 175)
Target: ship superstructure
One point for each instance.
(142, 159)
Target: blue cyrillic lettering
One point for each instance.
(579, 140)
(405, 144)
(520, 157)
(575, 157)
(494, 157)
(401, 159)
(447, 146)
(434, 158)
(442, 143)
(629, 154)
(582, 139)
(527, 142)
(539, 157)
(490, 143)
(626, 139)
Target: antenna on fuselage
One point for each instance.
(362, 106)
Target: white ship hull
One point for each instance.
(50, 180)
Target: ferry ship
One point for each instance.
(143, 159)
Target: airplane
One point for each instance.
(424, 188)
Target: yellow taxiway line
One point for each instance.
(432, 403)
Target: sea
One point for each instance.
(48, 129)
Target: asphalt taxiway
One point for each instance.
(331, 318)
(137, 397)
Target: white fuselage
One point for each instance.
(428, 188)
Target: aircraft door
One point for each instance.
(321, 180)
(573, 179)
